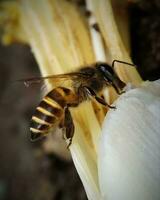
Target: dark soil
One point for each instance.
(25, 171)
(145, 31)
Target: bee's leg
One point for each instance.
(117, 90)
(61, 126)
(100, 100)
(68, 126)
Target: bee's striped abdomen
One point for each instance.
(49, 112)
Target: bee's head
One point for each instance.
(106, 71)
(109, 75)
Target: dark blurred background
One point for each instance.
(26, 171)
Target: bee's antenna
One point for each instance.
(119, 61)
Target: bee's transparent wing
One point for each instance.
(65, 80)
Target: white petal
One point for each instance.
(129, 149)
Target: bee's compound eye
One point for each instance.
(104, 67)
(106, 71)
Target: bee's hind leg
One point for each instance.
(67, 126)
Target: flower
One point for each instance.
(129, 147)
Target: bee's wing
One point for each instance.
(57, 80)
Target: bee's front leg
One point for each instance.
(100, 100)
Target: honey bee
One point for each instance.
(88, 81)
